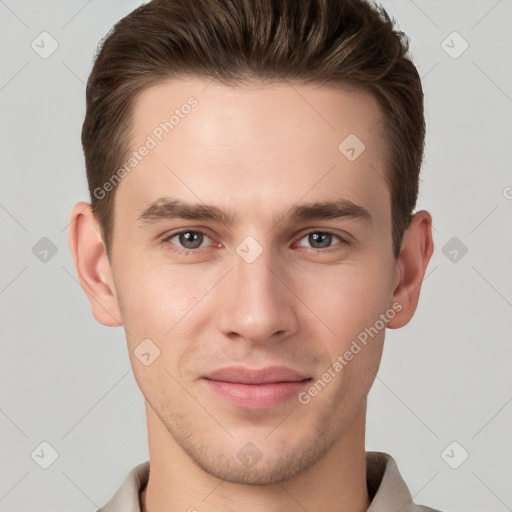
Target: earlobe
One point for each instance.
(92, 265)
(416, 251)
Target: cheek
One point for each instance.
(155, 298)
(348, 297)
(164, 304)
(349, 300)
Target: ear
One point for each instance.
(92, 265)
(416, 250)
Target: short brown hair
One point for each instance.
(328, 42)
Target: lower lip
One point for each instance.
(256, 396)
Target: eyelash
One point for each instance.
(166, 240)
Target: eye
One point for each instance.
(320, 239)
(187, 240)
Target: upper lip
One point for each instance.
(244, 375)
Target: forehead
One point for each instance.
(295, 112)
(250, 144)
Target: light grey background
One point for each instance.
(445, 377)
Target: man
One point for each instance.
(253, 169)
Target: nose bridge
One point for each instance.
(255, 274)
(258, 303)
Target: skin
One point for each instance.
(255, 150)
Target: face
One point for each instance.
(224, 256)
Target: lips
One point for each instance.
(243, 375)
(263, 388)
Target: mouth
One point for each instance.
(256, 388)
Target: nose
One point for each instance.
(256, 302)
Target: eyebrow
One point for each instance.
(168, 208)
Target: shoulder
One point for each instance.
(386, 487)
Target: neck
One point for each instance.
(337, 482)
